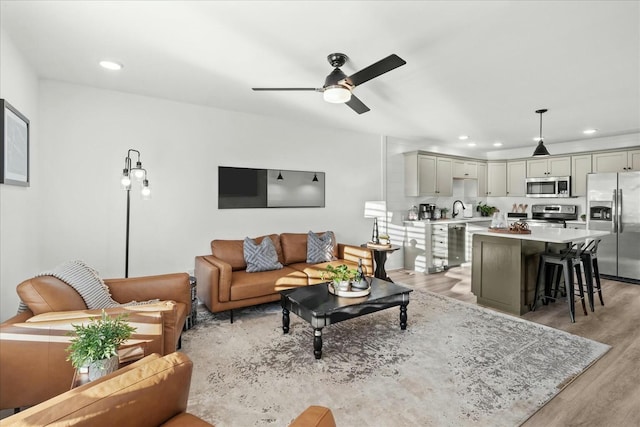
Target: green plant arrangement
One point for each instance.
(486, 210)
(97, 340)
(341, 273)
(443, 212)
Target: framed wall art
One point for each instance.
(14, 146)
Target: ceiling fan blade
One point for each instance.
(288, 88)
(374, 70)
(357, 105)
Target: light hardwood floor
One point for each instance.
(606, 394)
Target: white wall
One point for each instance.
(19, 206)
(85, 135)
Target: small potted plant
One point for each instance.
(339, 276)
(95, 345)
(486, 210)
(443, 213)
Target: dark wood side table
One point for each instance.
(193, 316)
(380, 257)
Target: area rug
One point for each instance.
(456, 364)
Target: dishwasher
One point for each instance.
(456, 245)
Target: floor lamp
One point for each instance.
(140, 174)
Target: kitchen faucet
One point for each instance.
(453, 208)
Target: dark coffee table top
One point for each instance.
(318, 306)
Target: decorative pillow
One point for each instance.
(260, 257)
(320, 248)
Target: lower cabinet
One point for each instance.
(431, 248)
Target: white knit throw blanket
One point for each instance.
(86, 281)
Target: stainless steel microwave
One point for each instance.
(550, 186)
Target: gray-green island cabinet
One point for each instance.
(504, 267)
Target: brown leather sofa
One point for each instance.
(151, 392)
(33, 365)
(223, 284)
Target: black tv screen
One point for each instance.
(237, 182)
(242, 188)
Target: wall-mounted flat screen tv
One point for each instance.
(240, 188)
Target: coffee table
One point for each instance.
(320, 308)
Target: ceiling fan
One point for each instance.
(338, 88)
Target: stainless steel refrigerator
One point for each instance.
(613, 204)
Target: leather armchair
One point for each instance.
(33, 365)
(151, 392)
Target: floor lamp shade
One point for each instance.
(375, 209)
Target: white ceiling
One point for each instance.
(479, 68)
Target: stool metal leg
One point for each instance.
(539, 282)
(576, 265)
(588, 275)
(568, 286)
(596, 272)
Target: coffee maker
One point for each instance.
(427, 211)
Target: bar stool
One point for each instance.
(589, 257)
(568, 262)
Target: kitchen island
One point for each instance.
(504, 266)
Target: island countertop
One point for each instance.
(549, 235)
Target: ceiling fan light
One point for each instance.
(336, 94)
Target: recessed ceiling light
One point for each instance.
(110, 65)
(471, 144)
(497, 144)
(589, 131)
(463, 137)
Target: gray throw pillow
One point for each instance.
(320, 248)
(262, 257)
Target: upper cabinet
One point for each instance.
(516, 174)
(616, 161)
(444, 176)
(549, 166)
(580, 167)
(482, 179)
(426, 175)
(465, 169)
(496, 179)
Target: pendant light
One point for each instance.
(541, 150)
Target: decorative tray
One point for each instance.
(378, 245)
(349, 294)
(509, 231)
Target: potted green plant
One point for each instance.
(443, 213)
(340, 276)
(486, 210)
(95, 345)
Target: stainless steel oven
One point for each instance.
(552, 216)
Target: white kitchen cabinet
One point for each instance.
(549, 166)
(482, 179)
(426, 175)
(633, 160)
(444, 176)
(516, 174)
(580, 167)
(419, 175)
(496, 179)
(465, 169)
(616, 161)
